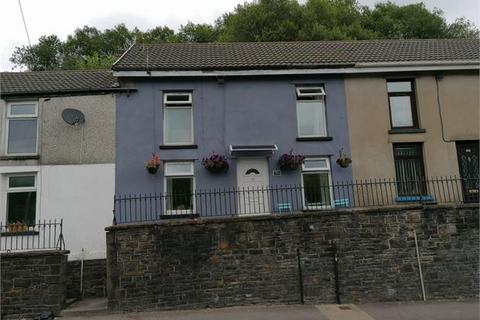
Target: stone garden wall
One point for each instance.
(32, 282)
(94, 279)
(289, 258)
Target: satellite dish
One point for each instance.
(73, 116)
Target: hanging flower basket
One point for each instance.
(343, 161)
(153, 164)
(215, 163)
(289, 161)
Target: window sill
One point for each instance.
(31, 157)
(315, 138)
(19, 233)
(180, 216)
(425, 198)
(173, 147)
(406, 130)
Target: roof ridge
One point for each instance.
(303, 42)
(56, 71)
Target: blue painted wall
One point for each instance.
(238, 111)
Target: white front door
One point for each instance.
(252, 180)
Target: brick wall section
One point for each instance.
(250, 260)
(94, 278)
(32, 282)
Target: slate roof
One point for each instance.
(56, 82)
(289, 55)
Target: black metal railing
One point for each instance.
(293, 198)
(46, 235)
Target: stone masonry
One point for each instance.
(94, 279)
(32, 282)
(253, 260)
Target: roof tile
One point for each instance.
(62, 81)
(285, 55)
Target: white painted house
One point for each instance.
(50, 169)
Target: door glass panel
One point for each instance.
(252, 171)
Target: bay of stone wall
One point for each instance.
(94, 279)
(32, 282)
(253, 260)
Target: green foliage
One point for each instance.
(390, 21)
(46, 55)
(266, 20)
(192, 32)
(260, 20)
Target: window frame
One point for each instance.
(12, 117)
(413, 102)
(190, 174)
(420, 158)
(317, 170)
(316, 98)
(177, 105)
(34, 188)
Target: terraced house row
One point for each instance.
(241, 129)
(292, 116)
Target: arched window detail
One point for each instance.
(252, 171)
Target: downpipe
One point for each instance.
(419, 265)
(300, 277)
(335, 271)
(81, 272)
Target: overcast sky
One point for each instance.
(62, 17)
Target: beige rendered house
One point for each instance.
(417, 119)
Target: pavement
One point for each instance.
(435, 310)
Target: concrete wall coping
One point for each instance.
(33, 253)
(282, 216)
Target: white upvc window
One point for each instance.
(179, 188)
(22, 128)
(317, 184)
(177, 118)
(21, 196)
(311, 116)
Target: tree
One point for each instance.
(192, 32)
(46, 55)
(390, 21)
(265, 20)
(462, 28)
(334, 20)
(260, 20)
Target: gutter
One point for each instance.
(359, 68)
(59, 93)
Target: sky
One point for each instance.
(62, 17)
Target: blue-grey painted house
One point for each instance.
(184, 111)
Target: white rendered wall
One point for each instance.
(80, 194)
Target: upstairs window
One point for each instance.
(22, 128)
(178, 118)
(311, 119)
(401, 98)
(21, 199)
